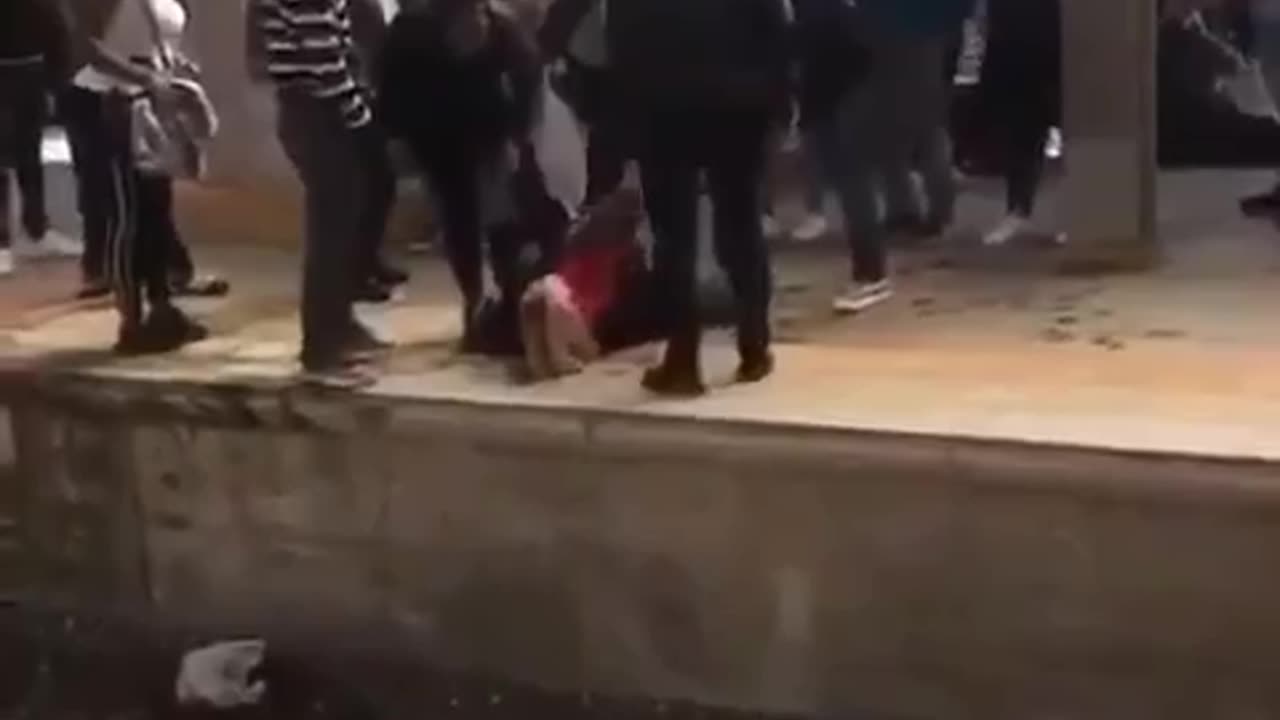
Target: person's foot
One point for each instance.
(52, 244)
(364, 343)
(1010, 227)
(770, 227)
(6, 262)
(168, 328)
(375, 292)
(207, 286)
(862, 296)
(1265, 204)
(92, 289)
(903, 224)
(755, 367)
(669, 380)
(131, 340)
(337, 375)
(390, 276)
(814, 227)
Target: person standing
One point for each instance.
(705, 81)
(575, 31)
(33, 47)
(892, 121)
(324, 123)
(118, 46)
(1021, 94)
(459, 86)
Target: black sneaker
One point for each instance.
(391, 276)
(755, 368)
(1261, 205)
(168, 328)
(375, 292)
(671, 381)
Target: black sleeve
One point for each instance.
(523, 63)
(560, 23)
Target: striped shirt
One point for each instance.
(309, 46)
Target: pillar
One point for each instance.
(1110, 126)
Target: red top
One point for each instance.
(594, 274)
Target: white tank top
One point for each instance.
(130, 36)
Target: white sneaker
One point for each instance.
(771, 228)
(6, 262)
(862, 296)
(53, 245)
(1009, 228)
(813, 227)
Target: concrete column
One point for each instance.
(1110, 124)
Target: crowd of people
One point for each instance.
(696, 94)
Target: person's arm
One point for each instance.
(307, 47)
(100, 57)
(559, 25)
(524, 65)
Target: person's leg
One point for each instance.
(606, 139)
(166, 327)
(851, 163)
(30, 115)
(1028, 126)
(669, 176)
(121, 221)
(376, 214)
(737, 161)
(82, 116)
(457, 199)
(327, 159)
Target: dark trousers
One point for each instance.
(82, 114)
(381, 190)
(23, 99)
(1204, 133)
(331, 162)
(730, 148)
(1027, 121)
(136, 213)
(595, 98)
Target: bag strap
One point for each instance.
(163, 51)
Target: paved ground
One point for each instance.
(977, 341)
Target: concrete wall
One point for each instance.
(762, 567)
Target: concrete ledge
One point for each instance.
(763, 565)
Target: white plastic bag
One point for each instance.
(560, 150)
(217, 676)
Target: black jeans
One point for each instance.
(677, 147)
(133, 212)
(595, 96)
(381, 190)
(82, 115)
(332, 163)
(1027, 121)
(23, 103)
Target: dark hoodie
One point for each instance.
(32, 29)
(700, 54)
(434, 99)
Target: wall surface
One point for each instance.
(757, 566)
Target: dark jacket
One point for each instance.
(560, 23)
(431, 98)
(920, 17)
(829, 57)
(33, 28)
(700, 54)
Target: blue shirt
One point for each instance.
(919, 17)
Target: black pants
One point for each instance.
(23, 98)
(676, 149)
(136, 212)
(332, 163)
(594, 93)
(82, 114)
(1027, 121)
(381, 190)
(1197, 133)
